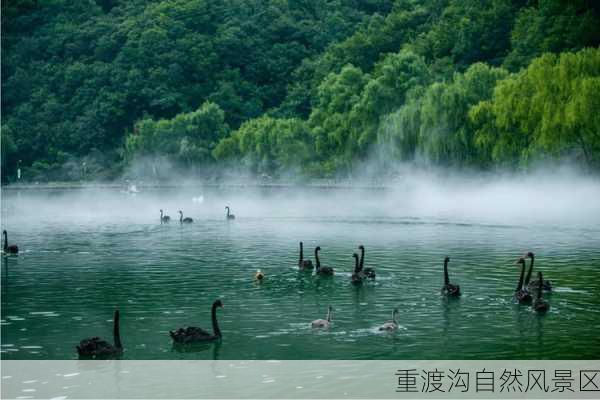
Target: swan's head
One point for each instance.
(530, 254)
(446, 259)
(180, 212)
(355, 255)
(227, 207)
(4, 232)
(318, 248)
(218, 303)
(520, 261)
(361, 247)
(330, 309)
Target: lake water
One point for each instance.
(83, 253)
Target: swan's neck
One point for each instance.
(520, 285)
(329, 315)
(394, 316)
(446, 278)
(227, 208)
(528, 277)
(356, 265)
(539, 291)
(362, 258)
(5, 241)
(116, 332)
(301, 255)
(215, 323)
(317, 259)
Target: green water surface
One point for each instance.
(82, 255)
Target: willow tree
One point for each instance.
(547, 111)
(187, 138)
(268, 145)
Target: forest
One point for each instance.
(317, 88)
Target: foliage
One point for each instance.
(188, 138)
(547, 111)
(434, 126)
(268, 145)
(316, 86)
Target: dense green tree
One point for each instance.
(188, 138)
(547, 111)
(553, 26)
(268, 145)
(434, 123)
(319, 85)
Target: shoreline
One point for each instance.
(190, 185)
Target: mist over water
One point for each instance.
(84, 252)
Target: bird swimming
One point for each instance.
(522, 294)
(390, 325)
(164, 218)
(304, 265)
(186, 220)
(96, 347)
(326, 271)
(259, 275)
(9, 249)
(357, 275)
(229, 216)
(449, 289)
(323, 323)
(540, 305)
(532, 286)
(368, 272)
(192, 334)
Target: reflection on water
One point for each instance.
(75, 268)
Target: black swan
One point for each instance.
(9, 249)
(305, 265)
(540, 305)
(322, 270)
(259, 275)
(390, 325)
(164, 218)
(229, 216)
(357, 276)
(368, 272)
(186, 220)
(522, 294)
(546, 285)
(191, 334)
(449, 289)
(96, 347)
(324, 323)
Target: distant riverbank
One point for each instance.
(135, 187)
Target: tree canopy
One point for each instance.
(315, 86)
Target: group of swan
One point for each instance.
(358, 275)
(165, 219)
(97, 347)
(389, 326)
(526, 286)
